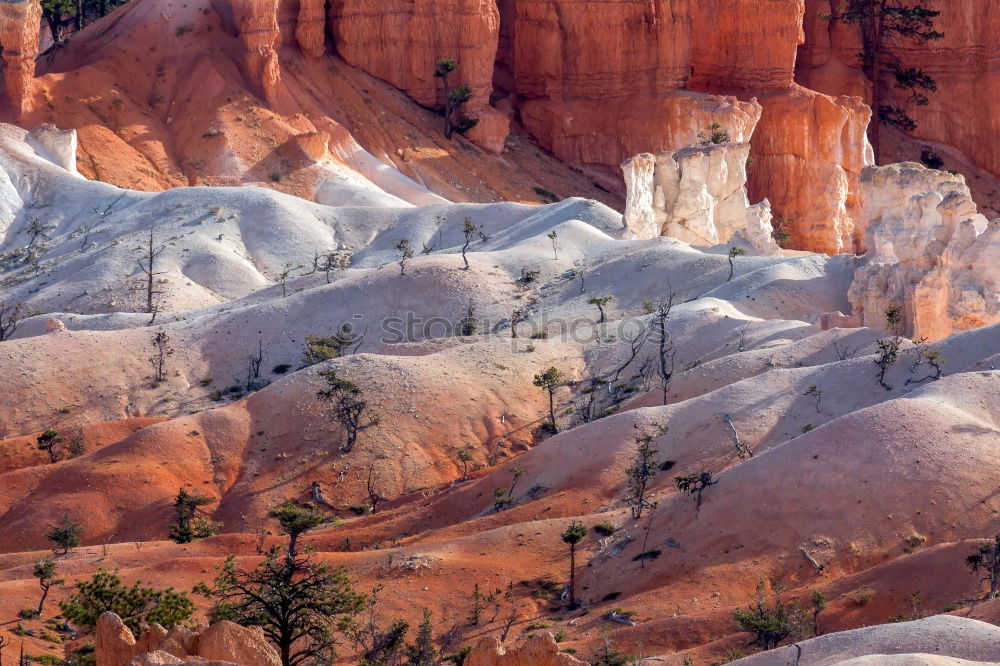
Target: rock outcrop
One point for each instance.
(539, 650)
(963, 63)
(929, 250)
(941, 639)
(19, 25)
(222, 643)
(808, 152)
(400, 41)
(310, 28)
(56, 145)
(697, 195)
(257, 24)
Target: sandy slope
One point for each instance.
(889, 489)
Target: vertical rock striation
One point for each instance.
(19, 25)
(930, 251)
(698, 195)
(257, 24)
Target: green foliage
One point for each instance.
(987, 559)
(48, 441)
(469, 324)
(642, 470)
(769, 624)
(320, 349)
(888, 348)
(296, 520)
(347, 407)
(695, 484)
(714, 133)
(422, 652)
(66, 535)
(575, 533)
(605, 528)
(188, 526)
(299, 602)
(137, 605)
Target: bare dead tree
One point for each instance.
(744, 330)
(10, 319)
(373, 495)
(844, 351)
(253, 365)
(741, 449)
(149, 253)
(666, 351)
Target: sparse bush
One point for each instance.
(987, 558)
(188, 525)
(769, 624)
(320, 349)
(66, 535)
(862, 595)
(695, 484)
(138, 605)
(550, 380)
(605, 528)
(714, 133)
(347, 407)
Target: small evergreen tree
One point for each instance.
(600, 302)
(554, 237)
(161, 350)
(320, 349)
(469, 323)
(45, 572)
(49, 442)
(573, 535)
(550, 380)
(66, 535)
(405, 254)
(819, 604)
(423, 652)
(188, 525)
(295, 521)
(733, 253)
(347, 406)
(298, 602)
(641, 471)
(469, 230)
(987, 558)
(454, 99)
(695, 484)
(888, 348)
(465, 457)
(769, 624)
(714, 133)
(137, 605)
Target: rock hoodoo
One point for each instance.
(222, 643)
(698, 195)
(929, 250)
(19, 25)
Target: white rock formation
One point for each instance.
(56, 145)
(697, 195)
(942, 639)
(929, 250)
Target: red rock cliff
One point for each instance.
(965, 64)
(19, 22)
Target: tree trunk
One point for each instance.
(79, 15)
(572, 575)
(552, 408)
(41, 602)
